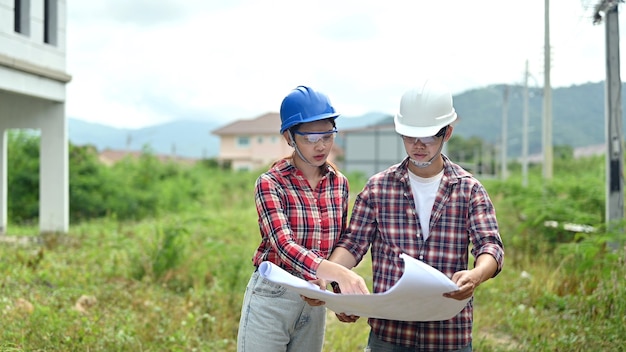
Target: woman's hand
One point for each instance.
(312, 301)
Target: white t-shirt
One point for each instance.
(424, 192)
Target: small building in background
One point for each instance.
(255, 143)
(371, 149)
(33, 79)
(374, 148)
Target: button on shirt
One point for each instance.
(384, 217)
(299, 223)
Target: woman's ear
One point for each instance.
(287, 138)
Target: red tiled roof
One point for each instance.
(268, 123)
(110, 157)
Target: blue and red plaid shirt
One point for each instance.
(299, 224)
(384, 217)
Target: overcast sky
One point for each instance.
(145, 62)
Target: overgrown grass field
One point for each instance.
(175, 281)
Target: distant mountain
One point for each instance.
(184, 138)
(351, 122)
(577, 115)
(578, 121)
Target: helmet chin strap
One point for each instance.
(295, 146)
(425, 164)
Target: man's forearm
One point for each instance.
(343, 257)
(487, 266)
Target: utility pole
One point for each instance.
(129, 140)
(613, 116)
(547, 99)
(525, 131)
(503, 153)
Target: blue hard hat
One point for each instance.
(303, 104)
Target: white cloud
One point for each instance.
(144, 62)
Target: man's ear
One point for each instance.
(448, 133)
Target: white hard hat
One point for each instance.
(425, 110)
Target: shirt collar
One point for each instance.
(286, 167)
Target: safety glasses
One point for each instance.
(430, 140)
(314, 137)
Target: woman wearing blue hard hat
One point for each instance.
(302, 203)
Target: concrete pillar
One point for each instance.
(3, 179)
(48, 117)
(54, 171)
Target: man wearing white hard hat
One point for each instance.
(431, 209)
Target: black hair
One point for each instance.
(442, 131)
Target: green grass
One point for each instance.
(175, 283)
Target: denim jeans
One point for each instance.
(377, 345)
(274, 319)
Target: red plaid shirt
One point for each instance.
(299, 224)
(384, 217)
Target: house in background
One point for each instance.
(255, 143)
(32, 96)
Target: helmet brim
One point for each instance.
(297, 119)
(425, 131)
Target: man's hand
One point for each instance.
(345, 318)
(467, 280)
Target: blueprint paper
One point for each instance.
(417, 296)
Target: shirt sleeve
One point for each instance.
(362, 226)
(483, 227)
(271, 202)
